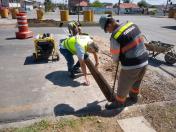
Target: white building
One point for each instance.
(10, 3)
(24, 4)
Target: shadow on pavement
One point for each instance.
(170, 27)
(30, 61)
(93, 109)
(62, 78)
(12, 38)
(158, 63)
(66, 109)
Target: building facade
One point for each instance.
(129, 8)
(9, 3)
(23, 4)
(77, 5)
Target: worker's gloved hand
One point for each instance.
(86, 55)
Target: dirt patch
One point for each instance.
(162, 118)
(154, 88)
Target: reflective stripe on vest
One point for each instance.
(122, 29)
(120, 99)
(131, 45)
(115, 51)
(135, 90)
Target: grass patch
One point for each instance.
(36, 127)
(45, 125)
(67, 122)
(81, 124)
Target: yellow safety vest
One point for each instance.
(122, 29)
(70, 44)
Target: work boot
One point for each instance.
(72, 75)
(134, 97)
(114, 105)
(77, 71)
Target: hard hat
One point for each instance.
(74, 24)
(103, 20)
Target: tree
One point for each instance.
(48, 5)
(97, 3)
(143, 4)
(126, 1)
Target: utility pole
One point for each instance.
(66, 4)
(78, 9)
(118, 7)
(166, 6)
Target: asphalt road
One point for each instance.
(29, 90)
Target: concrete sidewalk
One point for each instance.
(8, 23)
(30, 90)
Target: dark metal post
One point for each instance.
(78, 9)
(119, 7)
(166, 7)
(25, 5)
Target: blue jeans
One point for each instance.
(70, 61)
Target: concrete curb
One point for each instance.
(8, 25)
(53, 23)
(104, 113)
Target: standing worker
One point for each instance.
(78, 45)
(127, 47)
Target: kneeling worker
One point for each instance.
(78, 45)
(127, 46)
(74, 28)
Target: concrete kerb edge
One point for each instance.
(8, 25)
(135, 108)
(53, 23)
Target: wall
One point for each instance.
(115, 10)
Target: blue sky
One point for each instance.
(135, 1)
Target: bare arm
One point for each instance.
(96, 59)
(84, 70)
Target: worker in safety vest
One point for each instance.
(78, 45)
(74, 28)
(127, 47)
